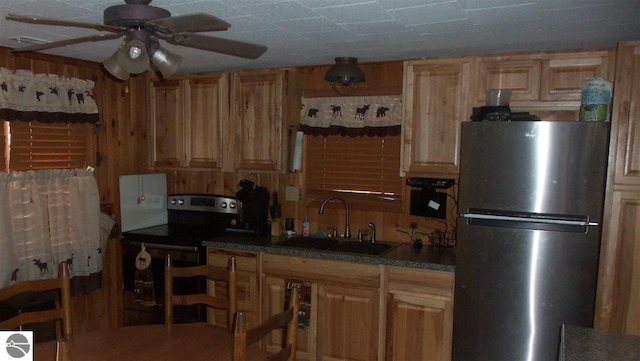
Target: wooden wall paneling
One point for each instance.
(6, 58)
(138, 113)
(22, 62)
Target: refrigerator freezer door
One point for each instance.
(516, 287)
(534, 166)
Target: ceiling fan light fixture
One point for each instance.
(113, 67)
(165, 61)
(345, 74)
(133, 57)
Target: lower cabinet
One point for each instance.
(341, 306)
(347, 322)
(349, 311)
(419, 314)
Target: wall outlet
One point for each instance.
(292, 194)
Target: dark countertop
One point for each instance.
(587, 344)
(402, 255)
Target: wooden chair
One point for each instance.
(227, 276)
(61, 313)
(287, 319)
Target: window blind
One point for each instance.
(35, 145)
(354, 165)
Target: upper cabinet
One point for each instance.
(439, 94)
(263, 106)
(236, 122)
(186, 122)
(436, 101)
(552, 80)
(626, 115)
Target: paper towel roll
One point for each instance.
(297, 152)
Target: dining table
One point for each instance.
(187, 341)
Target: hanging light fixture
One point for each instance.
(165, 61)
(345, 75)
(136, 55)
(113, 67)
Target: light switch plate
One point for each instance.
(292, 194)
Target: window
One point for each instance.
(363, 169)
(35, 145)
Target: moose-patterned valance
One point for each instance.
(372, 115)
(47, 98)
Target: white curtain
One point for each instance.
(47, 217)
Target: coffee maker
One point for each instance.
(253, 209)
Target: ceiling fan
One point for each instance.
(142, 25)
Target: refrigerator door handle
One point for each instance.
(583, 223)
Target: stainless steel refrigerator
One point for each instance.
(530, 202)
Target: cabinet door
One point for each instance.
(347, 323)
(167, 128)
(416, 326)
(437, 100)
(626, 115)
(419, 314)
(208, 106)
(618, 302)
(247, 290)
(273, 302)
(564, 73)
(522, 76)
(256, 105)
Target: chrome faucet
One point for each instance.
(372, 233)
(347, 231)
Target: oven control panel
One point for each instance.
(202, 203)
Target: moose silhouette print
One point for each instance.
(361, 112)
(44, 269)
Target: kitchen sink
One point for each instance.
(372, 249)
(336, 245)
(310, 242)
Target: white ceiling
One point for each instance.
(309, 32)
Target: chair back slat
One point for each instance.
(287, 319)
(216, 274)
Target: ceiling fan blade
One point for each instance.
(75, 24)
(193, 23)
(56, 44)
(218, 45)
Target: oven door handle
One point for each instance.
(167, 247)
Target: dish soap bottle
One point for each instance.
(306, 227)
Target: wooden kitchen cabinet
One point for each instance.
(273, 301)
(347, 322)
(626, 115)
(436, 101)
(344, 312)
(186, 122)
(618, 300)
(247, 290)
(263, 105)
(551, 80)
(419, 314)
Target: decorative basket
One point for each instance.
(442, 239)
